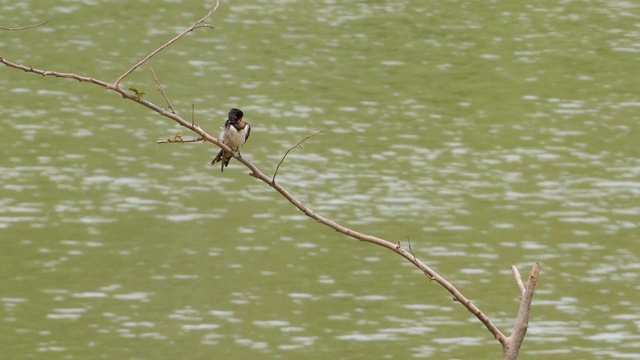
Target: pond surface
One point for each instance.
(489, 134)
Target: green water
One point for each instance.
(489, 133)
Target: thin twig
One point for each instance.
(518, 278)
(26, 27)
(193, 114)
(410, 248)
(197, 24)
(204, 25)
(161, 89)
(179, 140)
(273, 179)
(415, 259)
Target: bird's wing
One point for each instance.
(248, 132)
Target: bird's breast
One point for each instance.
(235, 138)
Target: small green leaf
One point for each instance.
(138, 93)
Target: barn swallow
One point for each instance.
(235, 133)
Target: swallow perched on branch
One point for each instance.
(235, 133)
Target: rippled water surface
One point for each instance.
(488, 134)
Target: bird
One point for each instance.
(234, 134)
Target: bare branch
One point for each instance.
(273, 180)
(133, 96)
(26, 27)
(510, 345)
(80, 78)
(518, 279)
(162, 90)
(514, 342)
(178, 139)
(197, 24)
(255, 172)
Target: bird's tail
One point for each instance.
(224, 157)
